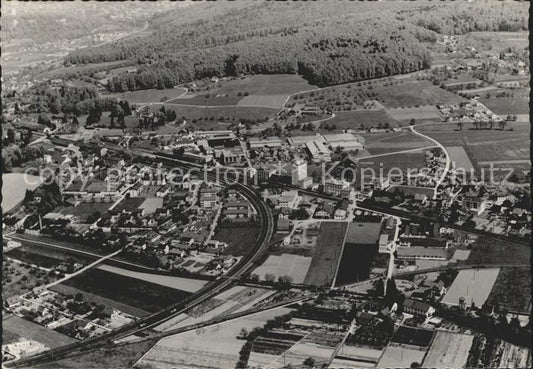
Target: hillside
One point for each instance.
(327, 45)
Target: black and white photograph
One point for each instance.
(257, 184)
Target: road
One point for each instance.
(211, 289)
(448, 160)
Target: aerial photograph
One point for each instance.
(266, 184)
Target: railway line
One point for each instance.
(208, 291)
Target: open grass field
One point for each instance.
(183, 284)
(484, 146)
(448, 350)
(362, 118)
(12, 324)
(504, 106)
(490, 251)
(400, 357)
(149, 96)
(413, 93)
(389, 142)
(328, 252)
(143, 295)
(46, 245)
(224, 114)
(270, 91)
(268, 101)
(91, 297)
(497, 40)
(267, 84)
(512, 290)
(422, 112)
(210, 347)
(472, 284)
(286, 264)
(391, 166)
(240, 237)
(459, 158)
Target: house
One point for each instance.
(337, 187)
(284, 225)
(340, 214)
(416, 307)
(325, 210)
(289, 200)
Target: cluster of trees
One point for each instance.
(66, 98)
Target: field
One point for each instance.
(240, 237)
(45, 256)
(18, 279)
(268, 101)
(91, 297)
(381, 143)
(286, 264)
(472, 284)
(508, 147)
(448, 350)
(515, 356)
(391, 165)
(183, 284)
(490, 251)
(512, 289)
(504, 106)
(400, 357)
(270, 91)
(327, 254)
(14, 186)
(413, 93)
(143, 295)
(13, 325)
(459, 158)
(497, 40)
(149, 96)
(116, 356)
(85, 209)
(224, 114)
(215, 346)
(362, 118)
(422, 112)
(355, 353)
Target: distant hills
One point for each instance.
(324, 42)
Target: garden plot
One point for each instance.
(448, 350)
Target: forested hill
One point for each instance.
(326, 42)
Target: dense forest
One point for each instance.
(326, 44)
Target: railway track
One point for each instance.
(208, 291)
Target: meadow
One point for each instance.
(149, 96)
(129, 291)
(358, 119)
